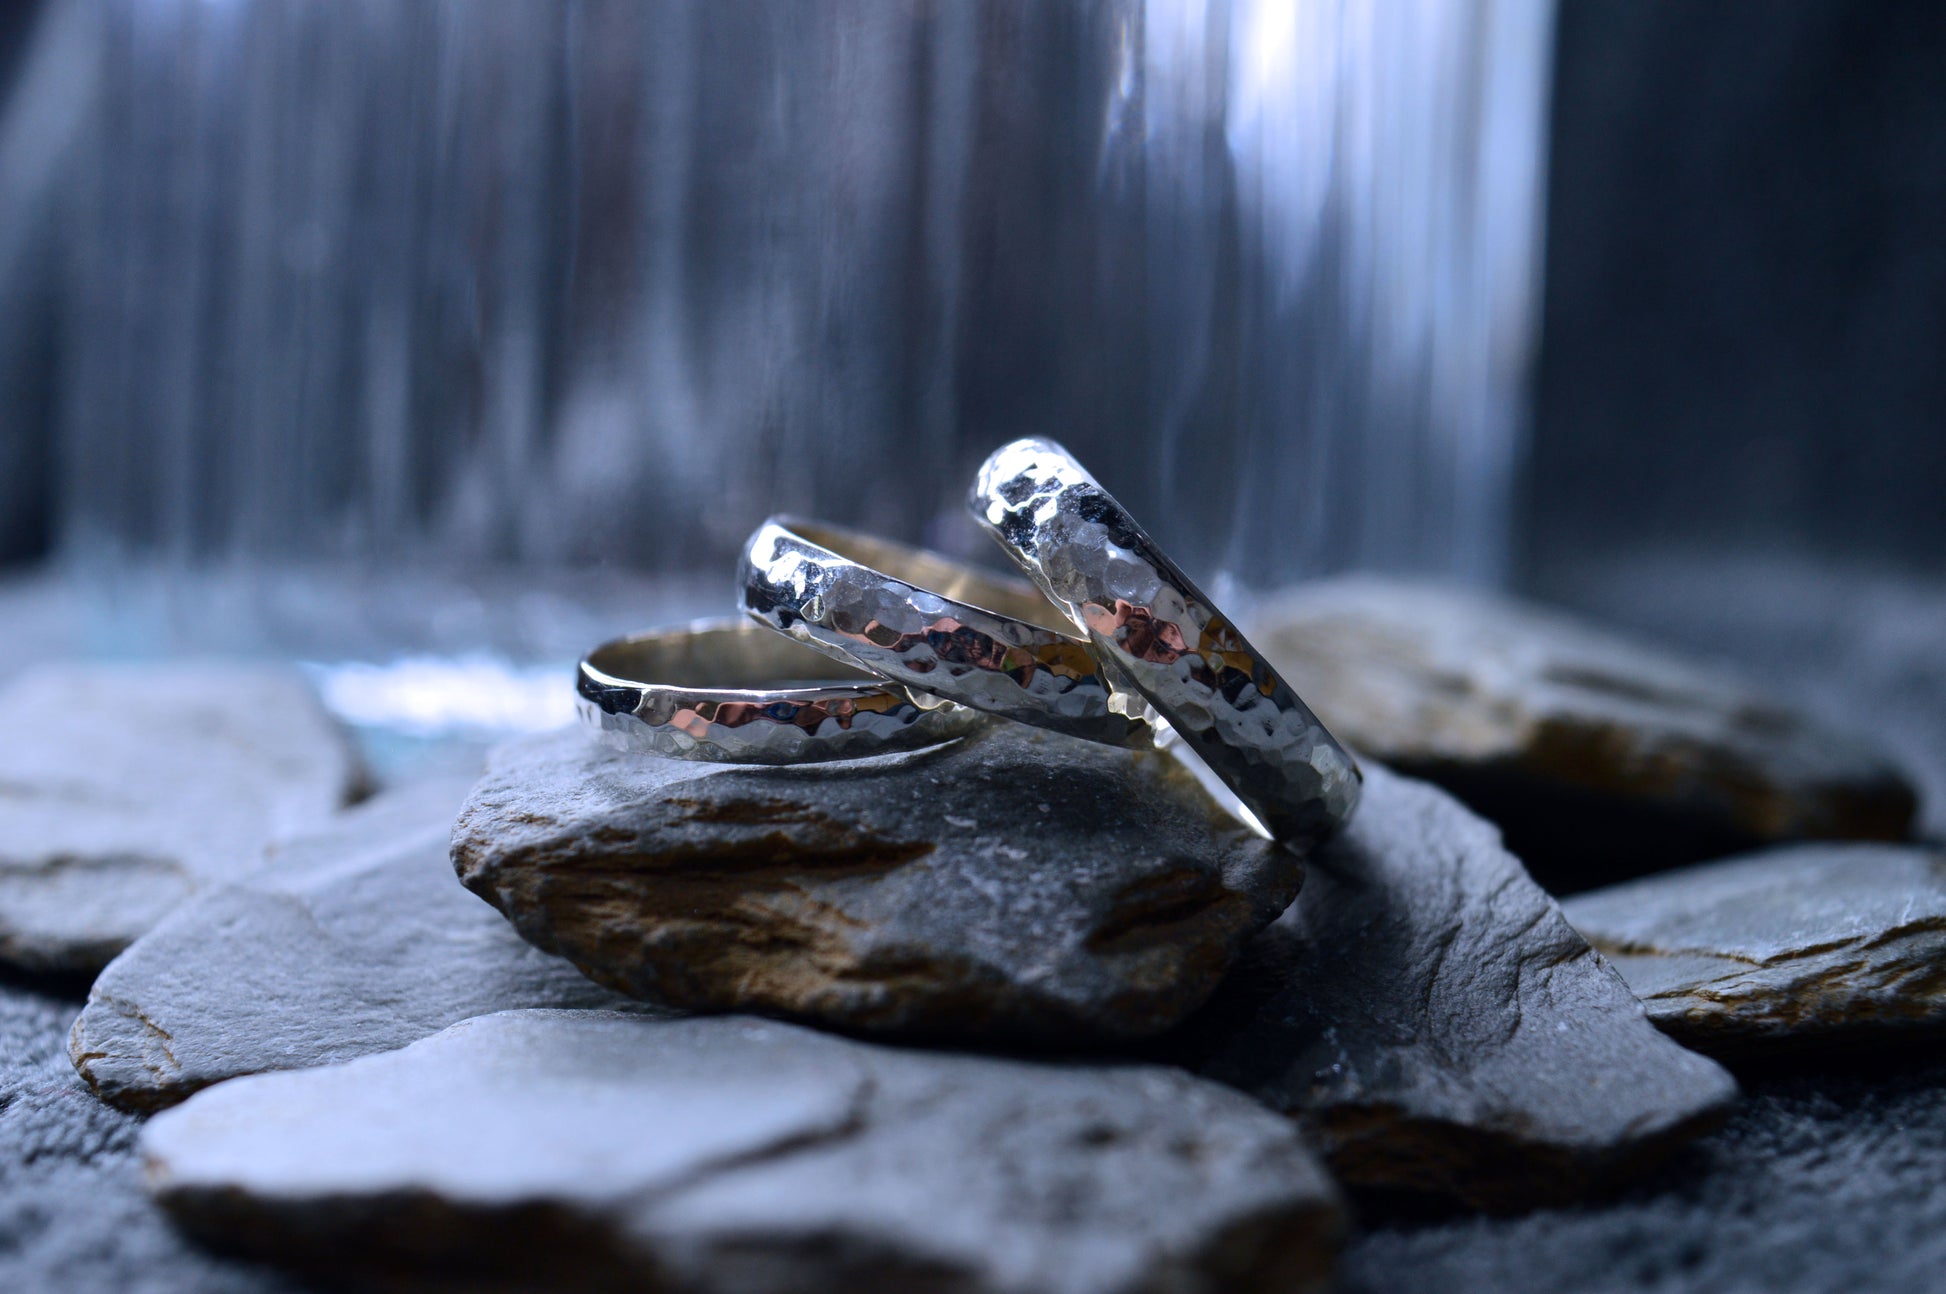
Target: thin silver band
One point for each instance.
(1148, 620)
(731, 692)
(986, 641)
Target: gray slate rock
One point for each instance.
(123, 791)
(1600, 758)
(1011, 884)
(354, 938)
(1811, 945)
(1428, 1014)
(590, 1150)
(1825, 1177)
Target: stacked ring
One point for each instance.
(1147, 619)
(987, 641)
(1122, 648)
(730, 692)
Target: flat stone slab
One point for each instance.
(591, 1150)
(1429, 1016)
(1803, 946)
(354, 938)
(1600, 758)
(124, 790)
(1011, 884)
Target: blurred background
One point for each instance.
(440, 338)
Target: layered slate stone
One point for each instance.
(353, 938)
(1429, 1016)
(589, 1150)
(123, 791)
(1012, 884)
(1600, 758)
(1803, 946)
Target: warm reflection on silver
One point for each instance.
(1146, 617)
(731, 692)
(986, 641)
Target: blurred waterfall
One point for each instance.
(415, 288)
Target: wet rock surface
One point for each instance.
(1427, 1014)
(1013, 884)
(597, 1149)
(1802, 946)
(1600, 758)
(353, 938)
(125, 791)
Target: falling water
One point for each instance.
(418, 290)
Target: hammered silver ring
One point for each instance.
(987, 641)
(1148, 621)
(731, 692)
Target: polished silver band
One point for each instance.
(1147, 619)
(986, 641)
(731, 692)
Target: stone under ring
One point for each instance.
(731, 692)
(987, 641)
(1152, 624)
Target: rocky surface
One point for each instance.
(1600, 758)
(596, 1150)
(124, 791)
(1826, 1175)
(1857, 644)
(73, 1213)
(354, 938)
(1799, 946)
(1012, 884)
(1826, 1178)
(1819, 1181)
(1427, 1013)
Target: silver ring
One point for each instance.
(986, 641)
(729, 692)
(1145, 617)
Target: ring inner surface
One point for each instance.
(935, 574)
(729, 657)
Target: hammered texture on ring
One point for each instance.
(1146, 617)
(730, 691)
(986, 641)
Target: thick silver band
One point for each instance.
(731, 692)
(986, 641)
(1148, 620)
